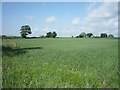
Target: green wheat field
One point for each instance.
(60, 63)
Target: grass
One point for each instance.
(61, 63)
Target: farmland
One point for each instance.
(60, 63)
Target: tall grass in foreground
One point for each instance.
(62, 63)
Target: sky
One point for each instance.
(66, 18)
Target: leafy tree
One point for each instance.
(25, 30)
(110, 35)
(49, 34)
(82, 35)
(103, 35)
(3, 36)
(89, 34)
(54, 34)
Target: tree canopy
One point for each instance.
(51, 35)
(25, 30)
(82, 35)
(89, 34)
(103, 35)
(54, 34)
(110, 35)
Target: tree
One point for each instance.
(110, 35)
(89, 34)
(25, 30)
(54, 34)
(4, 37)
(49, 34)
(82, 35)
(103, 35)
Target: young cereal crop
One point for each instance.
(61, 63)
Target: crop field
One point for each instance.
(60, 63)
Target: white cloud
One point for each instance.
(105, 11)
(103, 18)
(91, 7)
(34, 30)
(37, 32)
(29, 17)
(76, 21)
(51, 19)
(42, 31)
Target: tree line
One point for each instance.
(25, 30)
(102, 35)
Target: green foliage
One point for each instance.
(89, 34)
(51, 35)
(103, 35)
(54, 34)
(110, 35)
(3, 36)
(9, 37)
(61, 63)
(82, 35)
(25, 30)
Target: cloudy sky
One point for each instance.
(66, 18)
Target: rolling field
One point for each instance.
(61, 63)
